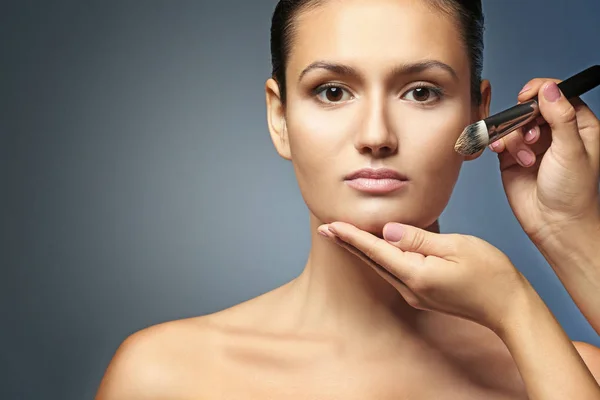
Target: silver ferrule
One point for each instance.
(498, 131)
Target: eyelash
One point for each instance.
(321, 88)
(439, 92)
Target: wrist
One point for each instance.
(547, 361)
(527, 309)
(573, 243)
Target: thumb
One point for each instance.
(416, 240)
(562, 118)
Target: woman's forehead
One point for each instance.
(378, 33)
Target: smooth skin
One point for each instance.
(554, 195)
(469, 328)
(468, 278)
(553, 191)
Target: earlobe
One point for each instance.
(276, 119)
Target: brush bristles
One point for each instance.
(473, 139)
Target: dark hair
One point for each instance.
(468, 12)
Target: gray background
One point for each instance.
(139, 183)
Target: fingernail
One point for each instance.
(525, 88)
(393, 232)
(323, 234)
(525, 158)
(531, 134)
(495, 145)
(332, 230)
(552, 92)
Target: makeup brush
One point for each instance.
(477, 136)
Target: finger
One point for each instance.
(589, 129)
(529, 91)
(376, 249)
(543, 141)
(587, 121)
(517, 143)
(562, 118)
(412, 239)
(532, 134)
(326, 231)
(520, 151)
(532, 88)
(383, 272)
(539, 148)
(498, 146)
(540, 136)
(390, 278)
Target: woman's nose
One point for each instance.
(375, 135)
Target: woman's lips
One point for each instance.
(376, 181)
(376, 186)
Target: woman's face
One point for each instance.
(374, 84)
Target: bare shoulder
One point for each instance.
(155, 363)
(179, 358)
(591, 356)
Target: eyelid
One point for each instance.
(425, 85)
(437, 90)
(319, 89)
(327, 85)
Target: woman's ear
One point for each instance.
(276, 119)
(486, 99)
(482, 111)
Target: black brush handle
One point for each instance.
(580, 83)
(520, 114)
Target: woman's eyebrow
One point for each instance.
(424, 65)
(339, 69)
(403, 69)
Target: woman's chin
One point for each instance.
(371, 215)
(375, 222)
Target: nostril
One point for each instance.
(377, 151)
(385, 150)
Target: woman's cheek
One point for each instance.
(320, 133)
(432, 154)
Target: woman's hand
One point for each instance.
(550, 168)
(466, 277)
(555, 195)
(454, 274)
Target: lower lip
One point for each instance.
(376, 186)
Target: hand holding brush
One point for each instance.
(550, 170)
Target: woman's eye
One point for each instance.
(333, 94)
(424, 94)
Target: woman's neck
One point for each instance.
(339, 293)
